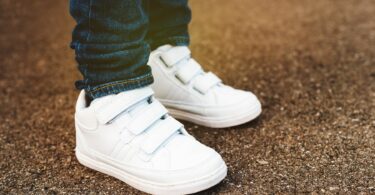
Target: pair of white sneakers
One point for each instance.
(132, 137)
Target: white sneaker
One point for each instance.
(131, 137)
(193, 95)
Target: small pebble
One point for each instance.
(262, 162)
(333, 188)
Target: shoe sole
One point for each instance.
(151, 187)
(218, 122)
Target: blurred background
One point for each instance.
(312, 64)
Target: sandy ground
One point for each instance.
(312, 64)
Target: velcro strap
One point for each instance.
(159, 133)
(174, 55)
(188, 71)
(148, 116)
(205, 82)
(120, 103)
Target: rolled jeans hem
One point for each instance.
(116, 87)
(175, 41)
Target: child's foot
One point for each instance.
(193, 95)
(131, 137)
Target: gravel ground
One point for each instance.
(312, 64)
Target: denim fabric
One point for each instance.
(113, 38)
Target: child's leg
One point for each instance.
(169, 21)
(109, 44)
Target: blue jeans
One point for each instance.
(113, 39)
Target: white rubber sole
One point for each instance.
(218, 122)
(150, 187)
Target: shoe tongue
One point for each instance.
(98, 102)
(173, 49)
(106, 100)
(164, 48)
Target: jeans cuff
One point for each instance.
(175, 41)
(116, 87)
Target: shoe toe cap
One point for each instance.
(226, 96)
(190, 160)
(187, 152)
